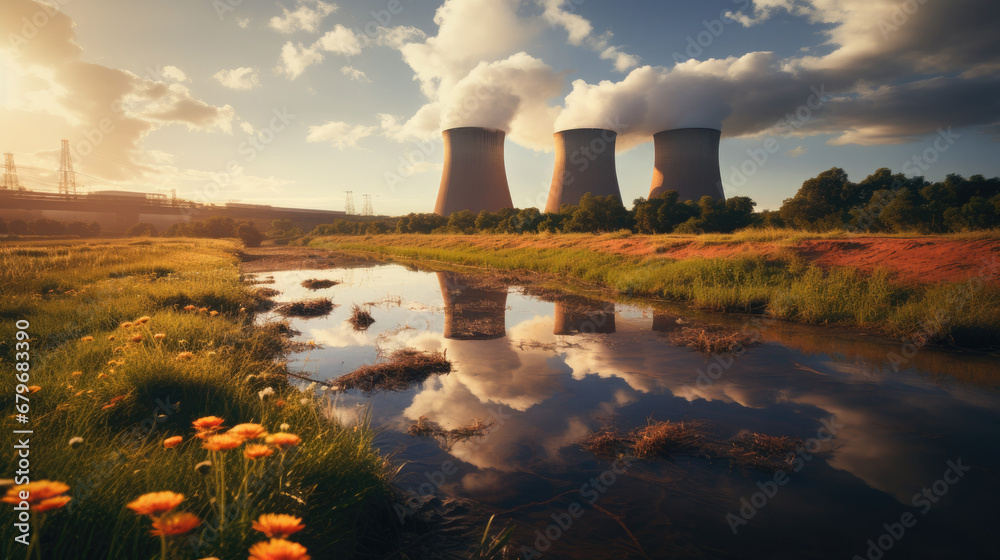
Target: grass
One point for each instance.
(128, 397)
(307, 308)
(665, 439)
(781, 285)
(422, 427)
(403, 368)
(710, 341)
(314, 284)
(360, 318)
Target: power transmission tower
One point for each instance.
(67, 179)
(10, 174)
(349, 206)
(367, 210)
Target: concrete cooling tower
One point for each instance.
(474, 176)
(687, 161)
(472, 312)
(585, 163)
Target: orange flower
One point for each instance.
(214, 313)
(185, 355)
(34, 388)
(76, 373)
(247, 431)
(155, 503)
(38, 492)
(283, 440)
(190, 308)
(222, 442)
(126, 324)
(142, 320)
(112, 337)
(160, 336)
(51, 503)
(278, 549)
(257, 451)
(172, 441)
(203, 310)
(278, 525)
(136, 338)
(207, 423)
(175, 524)
(87, 339)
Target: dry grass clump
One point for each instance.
(763, 452)
(714, 340)
(658, 439)
(423, 427)
(266, 292)
(315, 284)
(751, 451)
(307, 308)
(403, 369)
(360, 318)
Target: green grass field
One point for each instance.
(124, 397)
(781, 285)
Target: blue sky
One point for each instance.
(292, 102)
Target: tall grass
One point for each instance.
(130, 396)
(782, 285)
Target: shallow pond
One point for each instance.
(900, 456)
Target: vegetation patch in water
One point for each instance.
(307, 308)
(423, 427)
(315, 284)
(403, 369)
(714, 340)
(360, 318)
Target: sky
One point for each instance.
(294, 102)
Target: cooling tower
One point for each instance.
(687, 161)
(474, 177)
(576, 317)
(472, 313)
(585, 163)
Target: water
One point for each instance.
(897, 430)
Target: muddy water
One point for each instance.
(901, 457)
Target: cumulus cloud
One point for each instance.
(295, 58)
(340, 134)
(175, 73)
(797, 151)
(580, 33)
(355, 74)
(307, 16)
(242, 78)
(49, 67)
(340, 40)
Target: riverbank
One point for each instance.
(936, 290)
(129, 343)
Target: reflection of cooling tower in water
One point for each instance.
(472, 313)
(583, 318)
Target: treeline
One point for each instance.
(45, 226)
(882, 203)
(887, 202)
(216, 227)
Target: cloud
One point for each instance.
(340, 41)
(295, 58)
(355, 74)
(175, 73)
(797, 151)
(580, 33)
(340, 134)
(396, 37)
(50, 66)
(243, 22)
(307, 16)
(242, 78)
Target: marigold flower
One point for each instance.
(76, 373)
(155, 503)
(213, 313)
(34, 388)
(126, 324)
(247, 431)
(51, 503)
(203, 310)
(87, 339)
(175, 524)
(278, 525)
(256, 451)
(111, 337)
(208, 423)
(222, 442)
(190, 308)
(278, 549)
(284, 440)
(38, 492)
(185, 355)
(143, 320)
(136, 338)
(160, 336)
(172, 442)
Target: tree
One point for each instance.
(598, 214)
(220, 226)
(821, 202)
(249, 234)
(283, 228)
(18, 227)
(142, 229)
(463, 221)
(45, 226)
(3, 226)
